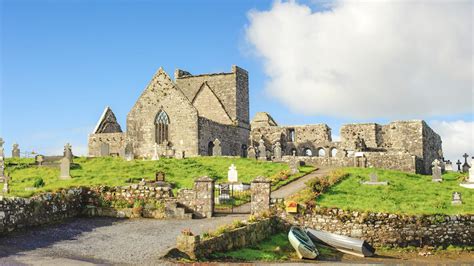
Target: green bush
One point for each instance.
(38, 182)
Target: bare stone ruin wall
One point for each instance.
(231, 137)
(383, 229)
(116, 143)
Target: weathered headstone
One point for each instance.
(39, 159)
(436, 171)
(456, 199)
(262, 151)
(217, 149)
(277, 151)
(16, 151)
(374, 180)
(465, 166)
(448, 166)
(294, 164)
(129, 152)
(68, 152)
(470, 180)
(160, 176)
(65, 168)
(251, 153)
(104, 149)
(232, 175)
(156, 155)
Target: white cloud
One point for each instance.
(457, 136)
(367, 59)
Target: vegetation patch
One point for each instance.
(114, 171)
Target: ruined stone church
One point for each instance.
(208, 115)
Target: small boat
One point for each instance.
(301, 242)
(342, 243)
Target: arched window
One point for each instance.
(321, 152)
(308, 152)
(243, 151)
(161, 127)
(333, 152)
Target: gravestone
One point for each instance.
(374, 180)
(436, 171)
(129, 152)
(251, 153)
(104, 149)
(262, 151)
(217, 149)
(470, 180)
(465, 166)
(6, 189)
(232, 175)
(448, 166)
(39, 159)
(65, 167)
(68, 152)
(277, 151)
(156, 155)
(16, 151)
(459, 165)
(160, 176)
(294, 164)
(224, 194)
(456, 199)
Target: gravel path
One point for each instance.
(299, 184)
(84, 241)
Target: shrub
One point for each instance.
(38, 182)
(318, 185)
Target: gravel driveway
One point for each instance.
(102, 240)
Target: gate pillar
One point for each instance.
(260, 190)
(204, 201)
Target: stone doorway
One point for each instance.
(210, 147)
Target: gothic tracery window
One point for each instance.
(161, 127)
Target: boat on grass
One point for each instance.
(342, 243)
(301, 242)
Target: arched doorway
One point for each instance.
(161, 127)
(333, 152)
(243, 152)
(210, 147)
(308, 152)
(321, 152)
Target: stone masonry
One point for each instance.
(260, 189)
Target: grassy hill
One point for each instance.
(116, 172)
(406, 193)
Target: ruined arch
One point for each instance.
(307, 152)
(333, 152)
(321, 152)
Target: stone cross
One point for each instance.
(374, 177)
(277, 151)
(436, 171)
(459, 165)
(262, 151)
(456, 198)
(15, 151)
(65, 167)
(293, 164)
(155, 156)
(68, 152)
(465, 166)
(217, 149)
(232, 175)
(465, 157)
(160, 176)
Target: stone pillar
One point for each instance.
(204, 201)
(260, 190)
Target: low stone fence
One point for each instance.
(383, 229)
(16, 213)
(249, 234)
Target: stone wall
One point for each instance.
(232, 138)
(17, 213)
(260, 190)
(383, 229)
(248, 235)
(200, 199)
(116, 142)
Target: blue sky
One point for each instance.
(62, 62)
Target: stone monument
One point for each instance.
(459, 165)
(232, 175)
(294, 164)
(16, 151)
(251, 152)
(65, 167)
(277, 151)
(217, 149)
(436, 171)
(155, 156)
(68, 152)
(129, 152)
(470, 180)
(448, 166)
(465, 166)
(6, 189)
(374, 180)
(456, 199)
(262, 151)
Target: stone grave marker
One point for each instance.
(459, 165)
(129, 152)
(65, 168)
(6, 189)
(16, 151)
(448, 166)
(277, 151)
(436, 171)
(294, 164)
(374, 180)
(262, 151)
(465, 166)
(155, 156)
(232, 175)
(160, 176)
(456, 199)
(251, 153)
(470, 180)
(68, 152)
(217, 149)
(104, 149)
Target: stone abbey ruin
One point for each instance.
(208, 115)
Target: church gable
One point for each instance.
(107, 123)
(209, 106)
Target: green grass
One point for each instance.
(113, 171)
(406, 193)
